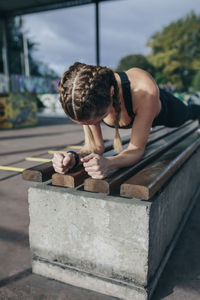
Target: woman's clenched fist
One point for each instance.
(63, 162)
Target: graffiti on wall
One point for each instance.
(23, 84)
(52, 105)
(38, 85)
(4, 87)
(18, 110)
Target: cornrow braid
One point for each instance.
(73, 88)
(117, 144)
(85, 95)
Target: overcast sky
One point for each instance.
(68, 35)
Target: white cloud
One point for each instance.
(68, 35)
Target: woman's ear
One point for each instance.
(111, 90)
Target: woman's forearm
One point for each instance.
(98, 166)
(84, 151)
(125, 158)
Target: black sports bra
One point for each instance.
(127, 99)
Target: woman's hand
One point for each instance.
(63, 162)
(96, 166)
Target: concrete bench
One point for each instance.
(110, 243)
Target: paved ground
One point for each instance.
(179, 281)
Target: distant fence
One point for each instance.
(23, 84)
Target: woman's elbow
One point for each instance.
(140, 153)
(139, 150)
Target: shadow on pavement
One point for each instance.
(27, 136)
(15, 277)
(34, 149)
(10, 176)
(14, 236)
(48, 121)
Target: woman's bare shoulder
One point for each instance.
(143, 87)
(142, 80)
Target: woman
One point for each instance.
(131, 99)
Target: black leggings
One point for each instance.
(174, 112)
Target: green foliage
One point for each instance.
(15, 51)
(135, 60)
(176, 50)
(196, 82)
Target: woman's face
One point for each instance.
(95, 120)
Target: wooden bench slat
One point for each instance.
(76, 178)
(39, 173)
(149, 180)
(44, 172)
(112, 182)
(164, 131)
(70, 179)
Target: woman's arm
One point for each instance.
(146, 107)
(139, 136)
(98, 138)
(145, 112)
(98, 167)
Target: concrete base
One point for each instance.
(77, 277)
(113, 245)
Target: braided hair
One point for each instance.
(85, 94)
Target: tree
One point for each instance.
(15, 50)
(135, 60)
(196, 82)
(175, 50)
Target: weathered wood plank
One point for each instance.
(113, 181)
(164, 131)
(76, 178)
(72, 179)
(44, 172)
(39, 173)
(149, 180)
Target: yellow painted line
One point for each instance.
(7, 168)
(38, 159)
(74, 147)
